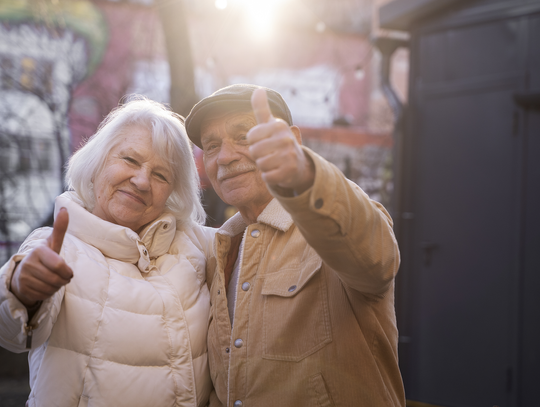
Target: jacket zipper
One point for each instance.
(29, 334)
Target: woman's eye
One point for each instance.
(130, 160)
(162, 177)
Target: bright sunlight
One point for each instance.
(261, 15)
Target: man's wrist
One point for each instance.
(308, 176)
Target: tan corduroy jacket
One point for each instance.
(314, 320)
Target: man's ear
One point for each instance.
(297, 134)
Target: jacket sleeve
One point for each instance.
(352, 233)
(13, 315)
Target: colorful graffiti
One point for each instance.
(44, 53)
(63, 66)
(134, 61)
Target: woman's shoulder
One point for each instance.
(202, 237)
(203, 232)
(199, 233)
(35, 238)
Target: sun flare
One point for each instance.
(221, 4)
(261, 16)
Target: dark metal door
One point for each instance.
(529, 378)
(473, 251)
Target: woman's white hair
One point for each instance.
(169, 140)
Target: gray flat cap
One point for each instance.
(236, 97)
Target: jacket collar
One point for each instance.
(273, 215)
(115, 241)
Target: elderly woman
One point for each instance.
(118, 306)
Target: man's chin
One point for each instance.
(236, 185)
(234, 197)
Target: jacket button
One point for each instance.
(227, 350)
(255, 233)
(166, 226)
(145, 252)
(319, 203)
(239, 343)
(238, 403)
(292, 288)
(246, 286)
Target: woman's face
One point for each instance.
(135, 182)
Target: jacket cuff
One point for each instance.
(13, 313)
(323, 198)
(6, 274)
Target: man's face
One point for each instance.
(227, 161)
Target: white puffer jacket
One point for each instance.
(130, 328)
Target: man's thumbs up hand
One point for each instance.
(43, 272)
(275, 148)
(260, 106)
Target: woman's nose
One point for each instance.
(141, 179)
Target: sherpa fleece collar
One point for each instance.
(273, 215)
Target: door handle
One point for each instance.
(528, 100)
(427, 249)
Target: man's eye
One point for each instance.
(242, 140)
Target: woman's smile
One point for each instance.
(133, 196)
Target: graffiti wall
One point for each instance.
(63, 66)
(44, 54)
(134, 61)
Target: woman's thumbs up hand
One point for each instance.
(43, 272)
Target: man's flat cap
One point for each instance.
(234, 97)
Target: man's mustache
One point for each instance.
(231, 170)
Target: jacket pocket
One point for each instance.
(319, 392)
(296, 321)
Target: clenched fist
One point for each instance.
(43, 272)
(276, 149)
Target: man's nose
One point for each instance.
(141, 179)
(228, 153)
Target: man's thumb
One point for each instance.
(60, 226)
(260, 106)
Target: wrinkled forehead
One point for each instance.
(229, 120)
(139, 138)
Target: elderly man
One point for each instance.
(303, 290)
